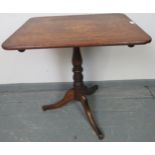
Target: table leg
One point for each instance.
(78, 92)
(67, 98)
(90, 117)
(91, 90)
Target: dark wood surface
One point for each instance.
(78, 93)
(77, 31)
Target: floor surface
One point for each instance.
(125, 111)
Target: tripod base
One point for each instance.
(78, 93)
(72, 95)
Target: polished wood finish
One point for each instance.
(78, 92)
(69, 96)
(77, 69)
(77, 31)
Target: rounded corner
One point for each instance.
(4, 46)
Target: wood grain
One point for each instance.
(77, 31)
(78, 93)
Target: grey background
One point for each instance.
(125, 111)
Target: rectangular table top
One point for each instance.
(77, 31)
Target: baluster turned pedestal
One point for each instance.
(78, 92)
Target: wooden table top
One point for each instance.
(77, 31)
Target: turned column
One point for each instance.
(78, 83)
(78, 92)
(77, 69)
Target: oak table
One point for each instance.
(75, 32)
